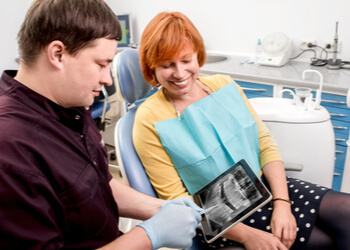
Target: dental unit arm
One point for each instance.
(311, 105)
(316, 104)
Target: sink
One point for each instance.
(214, 58)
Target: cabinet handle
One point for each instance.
(339, 152)
(331, 101)
(251, 89)
(338, 115)
(339, 139)
(336, 174)
(337, 127)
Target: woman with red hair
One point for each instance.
(195, 127)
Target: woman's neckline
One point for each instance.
(178, 114)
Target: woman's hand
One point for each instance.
(258, 239)
(253, 238)
(283, 223)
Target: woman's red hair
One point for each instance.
(164, 37)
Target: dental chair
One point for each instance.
(133, 87)
(101, 105)
(99, 109)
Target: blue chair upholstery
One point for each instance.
(101, 105)
(133, 169)
(132, 87)
(99, 108)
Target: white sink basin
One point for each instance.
(215, 58)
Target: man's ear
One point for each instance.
(55, 51)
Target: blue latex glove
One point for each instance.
(184, 201)
(173, 226)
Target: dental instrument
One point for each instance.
(208, 209)
(335, 63)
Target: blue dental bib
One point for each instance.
(212, 134)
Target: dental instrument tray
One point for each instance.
(230, 198)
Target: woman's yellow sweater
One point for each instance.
(153, 156)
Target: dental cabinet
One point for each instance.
(264, 81)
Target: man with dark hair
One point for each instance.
(56, 190)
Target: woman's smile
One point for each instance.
(181, 84)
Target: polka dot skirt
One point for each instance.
(306, 199)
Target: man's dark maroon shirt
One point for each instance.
(54, 178)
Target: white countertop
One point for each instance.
(335, 81)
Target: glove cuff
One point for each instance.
(148, 230)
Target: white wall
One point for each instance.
(236, 25)
(226, 25)
(11, 17)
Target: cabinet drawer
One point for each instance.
(256, 89)
(340, 127)
(339, 167)
(337, 180)
(333, 100)
(253, 95)
(338, 114)
(340, 139)
(340, 155)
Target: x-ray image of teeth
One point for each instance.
(234, 193)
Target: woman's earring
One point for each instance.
(154, 84)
